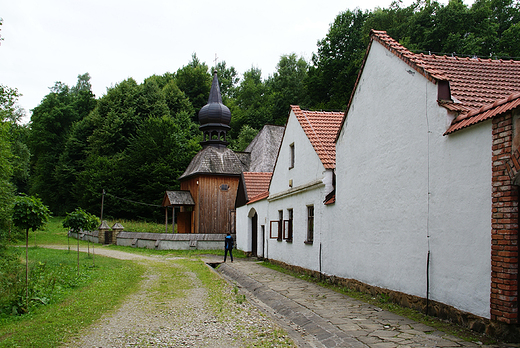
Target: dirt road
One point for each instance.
(175, 307)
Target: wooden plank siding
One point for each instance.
(213, 204)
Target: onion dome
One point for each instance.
(214, 117)
(214, 111)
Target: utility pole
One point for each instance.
(102, 202)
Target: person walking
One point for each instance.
(228, 247)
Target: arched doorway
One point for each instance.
(253, 227)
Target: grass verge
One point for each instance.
(104, 288)
(141, 226)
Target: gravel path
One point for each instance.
(155, 317)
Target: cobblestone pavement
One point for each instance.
(320, 317)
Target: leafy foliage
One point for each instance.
(79, 220)
(9, 108)
(50, 281)
(51, 123)
(137, 139)
(14, 155)
(195, 80)
(335, 66)
(6, 186)
(247, 134)
(251, 105)
(134, 144)
(287, 87)
(12, 284)
(29, 213)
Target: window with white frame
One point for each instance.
(288, 226)
(280, 225)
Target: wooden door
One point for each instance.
(254, 235)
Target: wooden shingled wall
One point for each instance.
(214, 197)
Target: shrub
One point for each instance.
(12, 282)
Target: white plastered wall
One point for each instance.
(311, 182)
(244, 226)
(403, 190)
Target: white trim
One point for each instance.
(299, 189)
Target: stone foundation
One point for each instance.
(493, 328)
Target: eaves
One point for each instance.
(295, 190)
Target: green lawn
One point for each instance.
(63, 302)
(71, 305)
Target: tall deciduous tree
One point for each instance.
(228, 79)
(80, 220)
(13, 158)
(247, 134)
(51, 122)
(6, 187)
(335, 66)
(159, 153)
(177, 100)
(29, 213)
(251, 106)
(139, 139)
(287, 87)
(195, 81)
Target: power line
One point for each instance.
(131, 201)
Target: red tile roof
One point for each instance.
(484, 113)
(256, 183)
(259, 197)
(480, 88)
(321, 128)
(331, 200)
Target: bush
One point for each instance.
(12, 282)
(49, 281)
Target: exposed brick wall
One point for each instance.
(504, 233)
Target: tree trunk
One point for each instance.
(27, 270)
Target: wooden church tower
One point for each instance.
(213, 176)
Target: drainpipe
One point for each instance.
(321, 277)
(428, 283)
(428, 201)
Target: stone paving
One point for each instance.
(319, 317)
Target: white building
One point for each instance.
(423, 205)
(415, 183)
(290, 220)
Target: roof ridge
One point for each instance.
(481, 87)
(412, 59)
(485, 112)
(495, 104)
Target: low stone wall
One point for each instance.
(91, 236)
(171, 241)
(500, 330)
(157, 241)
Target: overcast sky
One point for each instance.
(56, 40)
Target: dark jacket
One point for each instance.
(229, 242)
